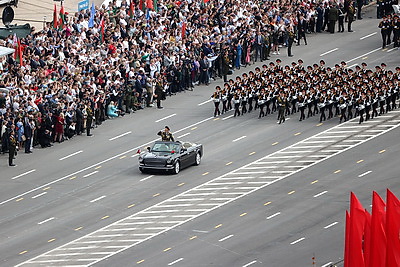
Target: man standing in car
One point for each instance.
(166, 135)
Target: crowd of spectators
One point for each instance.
(70, 78)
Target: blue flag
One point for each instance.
(91, 19)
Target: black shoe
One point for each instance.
(290, 56)
(12, 165)
(89, 134)
(350, 31)
(28, 152)
(160, 107)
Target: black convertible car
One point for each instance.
(170, 156)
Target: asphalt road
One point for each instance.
(82, 188)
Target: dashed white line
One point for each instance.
(71, 155)
(365, 173)
(22, 174)
(369, 35)
(97, 199)
(297, 241)
(390, 50)
(366, 54)
(225, 238)
(118, 136)
(47, 220)
(89, 174)
(330, 225)
(176, 261)
(39, 195)
(183, 135)
(320, 194)
(240, 138)
(273, 215)
(205, 102)
(167, 117)
(145, 178)
(250, 263)
(230, 116)
(330, 51)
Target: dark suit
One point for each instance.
(301, 31)
(28, 132)
(259, 43)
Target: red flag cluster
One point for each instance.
(373, 240)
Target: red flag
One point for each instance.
(377, 256)
(62, 18)
(392, 230)
(141, 5)
(357, 223)
(149, 4)
(367, 238)
(55, 19)
(346, 240)
(131, 9)
(183, 30)
(102, 30)
(206, 1)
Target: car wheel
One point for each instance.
(197, 159)
(177, 167)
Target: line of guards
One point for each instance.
(311, 90)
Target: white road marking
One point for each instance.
(73, 154)
(118, 136)
(22, 174)
(39, 195)
(134, 155)
(169, 116)
(230, 116)
(183, 135)
(351, 66)
(176, 261)
(327, 264)
(273, 215)
(250, 263)
(47, 220)
(240, 138)
(330, 225)
(205, 102)
(89, 174)
(97, 199)
(320, 194)
(369, 35)
(225, 238)
(145, 178)
(330, 51)
(365, 173)
(390, 50)
(366, 54)
(297, 241)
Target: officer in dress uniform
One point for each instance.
(12, 151)
(384, 26)
(89, 119)
(282, 103)
(166, 135)
(216, 98)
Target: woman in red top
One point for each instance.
(59, 128)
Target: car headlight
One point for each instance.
(169, 160)
(140, 160)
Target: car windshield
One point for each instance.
(165, 147)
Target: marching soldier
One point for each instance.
(282, 103)
(89, 119)
(236, 103)
(166, 135)
(216, 99)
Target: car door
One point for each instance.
(184, 157)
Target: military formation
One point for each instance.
(390, 30)
(314, 90)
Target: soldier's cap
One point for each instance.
(278, 60)
(217, 87)
(315, 65)
(337, 65)
(300, 60)
(383, 64)
(230, 80)
(358, 67)
(322, 61)
(226, 84)
(257, 68)
(238, 78)
(166, 127)
(244, 74)
(251, 72)
(364, 64)
(344, 63)
(264, 66)
(271, 64)
(293, 63)
(377, 67)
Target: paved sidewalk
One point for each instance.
(37, 9)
